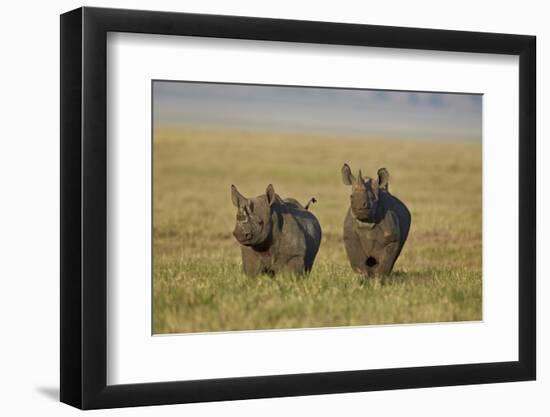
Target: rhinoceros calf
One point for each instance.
(275, 235)
(376, 224)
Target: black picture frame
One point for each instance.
(84, 207)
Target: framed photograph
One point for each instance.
(258, 208)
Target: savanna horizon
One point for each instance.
(198, 284)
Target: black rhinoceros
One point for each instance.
(275, 235)
(376, 225)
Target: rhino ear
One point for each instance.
(270, 194)
(238, 199)
(383, 179)
(347, 176)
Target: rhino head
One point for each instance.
(254, 220)
(365, 193)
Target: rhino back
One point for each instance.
(293, 202)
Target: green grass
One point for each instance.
(198, 285)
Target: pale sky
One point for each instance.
(372, 113)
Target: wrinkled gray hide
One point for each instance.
(275, 235)
(376, 225)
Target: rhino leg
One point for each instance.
(294, 265)
(252, 264)
(387, 259)
(357, 258)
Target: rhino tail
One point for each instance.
(312, 200)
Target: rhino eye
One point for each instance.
(260, 222)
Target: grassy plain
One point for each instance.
(197, 281)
